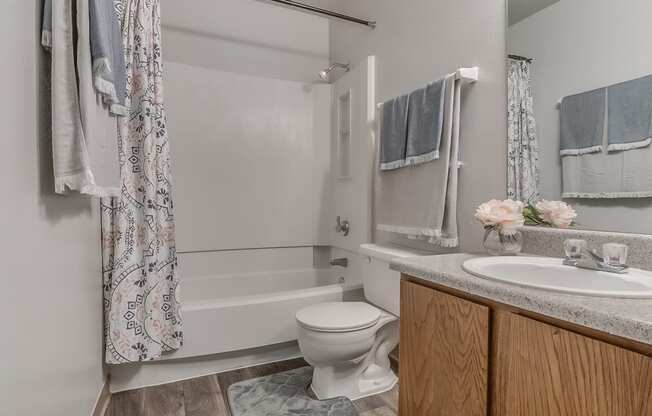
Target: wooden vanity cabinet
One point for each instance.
(463, 356)
(540, 369)
(444, 354)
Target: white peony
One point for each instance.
(556, 213)
(505, 215)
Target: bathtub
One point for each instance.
(231, 312)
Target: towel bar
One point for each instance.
(467, 75)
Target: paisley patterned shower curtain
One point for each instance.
(141, 307)
(522, 144)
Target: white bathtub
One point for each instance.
(233, 312)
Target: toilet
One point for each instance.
(348, 343)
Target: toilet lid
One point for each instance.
(338, 316)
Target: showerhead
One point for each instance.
(325, 74)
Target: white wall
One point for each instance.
(521, 9)
(51, 297)
(250, 126)
(246, 36)
(419, 41)
(576, 51)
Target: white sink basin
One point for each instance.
(549, 274)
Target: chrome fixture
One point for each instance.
(342, 262)
(589, 259)
(342, 226)
(325, 74)
(317, 10)
(520, 58)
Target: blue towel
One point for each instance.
(109, 71)
(425, 123)
(582, 122)
(393, 133)
(630, 114)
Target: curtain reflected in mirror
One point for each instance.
(522, 145)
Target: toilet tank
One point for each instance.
(382, 286)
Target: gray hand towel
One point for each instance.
(421, 203)
(582, 122)
(109, 72)
(393, 133)
(425, 122)
(630, 114)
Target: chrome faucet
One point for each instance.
(342, 262)
(590, 259)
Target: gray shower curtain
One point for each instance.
(522, 144)
(141, 307)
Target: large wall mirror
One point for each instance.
(580, 108)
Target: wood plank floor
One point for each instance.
(206, 396)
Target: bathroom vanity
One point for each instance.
(473, 346)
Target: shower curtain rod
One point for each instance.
(521, 58)
(318, 10)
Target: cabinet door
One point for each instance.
(444, 354)
(547, 371)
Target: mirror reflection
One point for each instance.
(580, 109)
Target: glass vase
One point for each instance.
(499, 243)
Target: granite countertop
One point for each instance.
(627, 318)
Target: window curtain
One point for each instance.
(141, 305)
(522, 145)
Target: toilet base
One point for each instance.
(353, 364)
(354, 383)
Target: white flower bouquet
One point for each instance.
(502, 216)
(556, 214)
(502, 219)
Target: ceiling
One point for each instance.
(521, 9)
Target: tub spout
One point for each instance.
(342, 262)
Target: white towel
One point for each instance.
(608, 175)
(100, 126)
(80, 137)
(421, 202)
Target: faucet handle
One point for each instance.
(342, 226)
(573, 248)
(615, 254)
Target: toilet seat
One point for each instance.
(338, 316)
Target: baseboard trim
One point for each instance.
(103, 401)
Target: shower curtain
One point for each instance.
(522, 145)
(141, 307)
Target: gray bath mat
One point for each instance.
(284, 394)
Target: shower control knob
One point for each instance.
(342, 226)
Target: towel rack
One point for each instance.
(466, 75)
